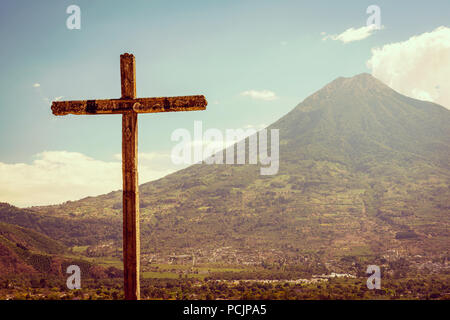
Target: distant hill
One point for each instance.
(24, 251)
(364, 171)
(68, 229)
(27, 253)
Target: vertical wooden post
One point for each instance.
(131, 237)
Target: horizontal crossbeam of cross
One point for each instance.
(138, 105)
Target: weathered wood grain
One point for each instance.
(128, 75)
(131, 230)
(138, 105)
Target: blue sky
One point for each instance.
(216, 48)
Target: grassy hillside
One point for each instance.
(30, 240)
(32, 255)
(69, 229)
(25, 251)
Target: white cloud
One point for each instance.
(38, 89)
(352, 34)
(44, 97)
(418, 67)
(58, 176)
(265, 95)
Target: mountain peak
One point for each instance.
(360, 76)
(363, 84)
(362, 81)
(360, 115)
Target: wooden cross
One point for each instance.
(129, 106)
